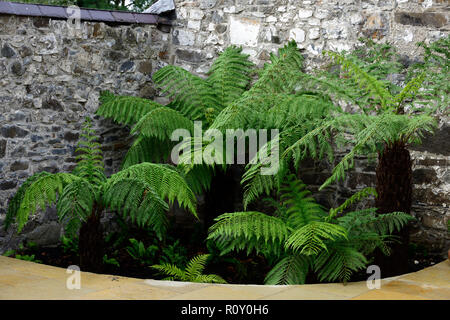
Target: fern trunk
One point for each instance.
(225, 191)
(91, 243)
(394, 188)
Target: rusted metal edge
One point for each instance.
(60, 12)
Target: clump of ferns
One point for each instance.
(302, 237)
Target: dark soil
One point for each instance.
(236, 268)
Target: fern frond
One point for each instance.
(164, 179)
(310, 239)
(173, 271)
(89, 159)
(42, 192)
(363, 79)
(290, 270)
(209, 278)
(229, 74)
(408, 92)
(138, 200)
(302, 208)
(338, 262)
(256, 184)
(76, 202)
(16, 200)
(356, 197)
(192, 272)
(160, 123)
(250, 230)
(389, 222)
(199, 177)
(124, 109)
(147, 150)
(192, 96)
(282, 73)
(196, 266)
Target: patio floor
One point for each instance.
(27, 280)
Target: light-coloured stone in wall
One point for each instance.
(408, 35)
(339, 46)
(356, 18)
(182, 13)
(194, 24)
(322, 14)
(305, 13)
(196, 14)
(297, 34)
(287, 17)
(185, 38)
(314, 22)
(244, 31)
(314, 33)
(212, 39)
(427, 4)
(315, 48)
(231, 9)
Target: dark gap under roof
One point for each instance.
(60, 12)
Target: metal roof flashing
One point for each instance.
(60, 12)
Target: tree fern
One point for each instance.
(138, 192)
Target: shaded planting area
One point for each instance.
(249, 227)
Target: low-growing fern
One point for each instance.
(303, 238)
(192, 273)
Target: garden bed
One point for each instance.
(234, 268)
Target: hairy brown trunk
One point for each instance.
(394, 188)
(91, 243)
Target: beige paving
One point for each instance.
(31, 281)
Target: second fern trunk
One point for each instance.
(394, 188)
(91, 243)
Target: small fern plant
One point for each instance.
(139, 252)
(192, 273)
(301, 237)
(139, 192)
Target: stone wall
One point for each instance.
(50, 79)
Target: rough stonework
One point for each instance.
(51, 78)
